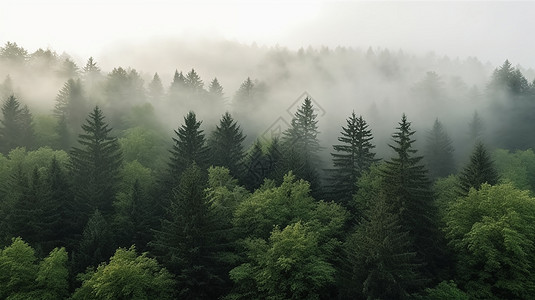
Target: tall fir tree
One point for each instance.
(156, 89)
(95, 165)
(226, 145)
(300, 146)
(255, 167)
(71, 105)
(16, 126)
(380, 254)
(189, 147)
(479, 170)
(354, 156)
(184, 240)
(438, 153)
(409, 192)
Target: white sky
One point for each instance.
(491, 31)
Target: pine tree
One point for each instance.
(479, 170)
(475, 128)
(156, 88)
(351, 158)
(183, 243)
(380, 254)
(194, 84)
(91, 69)
(189, 147)
(255, 167)
(71, 104)
(301, 146)
(95, 165)
(216, 90)
(226, 145)
(177, 90)
(408, 189)
(16, 128)
(439, 152)
(96, 245)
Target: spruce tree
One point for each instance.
(479, 170)
(95, 165)
(216, 91)
(351, 158)
(189, 147)
(71, 105)
(226, 145)
(255, 167)
(439, 152)
(156, 89)
(16, 126)
(409, 191)
(381, 256)
(301, 147)
(184, 241)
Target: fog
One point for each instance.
(428, 60)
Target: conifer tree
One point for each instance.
(475, 128)
(351, 158)
(479, 170)
(156, 88)
(16, 126)
(216, 90)
(194, 83)
(71, 104)
(255, 167)
(189, 147)
(409, 192)
(95, 165)
(226, 145)
(439, 152)
(381, 256)
(183, 243)
(301, 146)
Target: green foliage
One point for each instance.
(444, 290)
(290, 265)
(516, 167)
(144, 145)
(17, 269)
(446, 191)
(127, 276)
(52, 277)
(492, 231)
(479, 170)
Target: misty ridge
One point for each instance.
(259, 85)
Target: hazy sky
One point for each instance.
(492, 31)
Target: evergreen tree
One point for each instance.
(351, 158)
(479, 170)
(96, 245)
(194, 84)
(91, 69)
(95, 165)
(156, 89)
(475, 128)
(16, 128)
(216, 90)
(246, 93)
(184, 241)
(71, 104)
(59, 213)
(409, 192)
(381, 257)
(226, 145)
(256, 167)
(301, 146)
(439, 152)
(189, 147)
(64, 141)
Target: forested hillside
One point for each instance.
(321, 174)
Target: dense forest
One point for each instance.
(325, 174)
